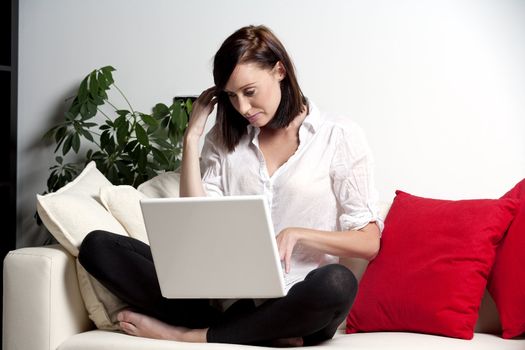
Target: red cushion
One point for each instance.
(432, 268)
(507, 279)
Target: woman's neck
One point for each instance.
(291, 129)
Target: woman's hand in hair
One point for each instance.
(202, 108)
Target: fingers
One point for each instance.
(286, 243)
(208, 94)
(206, 100)
(288, 260)
(202, 108)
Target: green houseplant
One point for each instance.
(128, 146)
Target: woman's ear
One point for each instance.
(279, 71)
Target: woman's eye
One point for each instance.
(249, 92)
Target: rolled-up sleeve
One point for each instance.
(211, 168)
(353, 182)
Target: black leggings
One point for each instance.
(312, 309)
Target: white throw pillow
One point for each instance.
(73, 211)
(164, 185)
(70, 214)
(123, 203)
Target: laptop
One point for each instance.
(214, 247)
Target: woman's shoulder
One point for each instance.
(340, 123)
(342, 130)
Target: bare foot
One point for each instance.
(141, 325)
(288, 342)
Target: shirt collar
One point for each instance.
(312, 121)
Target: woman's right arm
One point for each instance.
(190, 177)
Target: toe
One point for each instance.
(128, 328)
(128, 316)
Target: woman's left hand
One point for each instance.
(286, 241)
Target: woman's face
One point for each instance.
(255, 92)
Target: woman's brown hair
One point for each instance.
(253, 44)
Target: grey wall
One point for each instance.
(438, 86)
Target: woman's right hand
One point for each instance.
(202, 108)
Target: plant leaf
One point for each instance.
(119, 121)
(148, 119)
(123, 112)
(107, 74)
(160, 111)
(142, 137)
(83, 91)
(87, 135)
(183, 120)
(125, 170)
(108, 69)
(84, 111)
(189, 105)
(176, 114)
(122, 132)
(99, 99)
(69, 116)
(102, 82)
(159, 156)
(93, 83)
(67, 144)
(104, 139)
(92, 109)
(76, 143)
(75, 107)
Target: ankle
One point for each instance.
(195, 335)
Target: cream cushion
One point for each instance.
(70, 214)
(73, 211)
(102, 306)
(162, 185)
(123, 202)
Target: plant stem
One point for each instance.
(111, 104)
(129, 104)
(105, 115)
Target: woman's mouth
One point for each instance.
(253, 117)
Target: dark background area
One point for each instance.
(8, 129)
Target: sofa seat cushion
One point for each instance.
(101, 340)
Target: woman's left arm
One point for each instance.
(363, 243)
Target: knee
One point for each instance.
(92, 246)
(341, 283)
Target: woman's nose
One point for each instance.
(244, 105)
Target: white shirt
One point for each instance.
(327, 184)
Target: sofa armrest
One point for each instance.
(42, 305)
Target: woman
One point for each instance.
(316, 174)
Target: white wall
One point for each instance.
(438, 86)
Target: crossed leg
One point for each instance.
(320, 302)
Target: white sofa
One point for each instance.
(43, 310)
